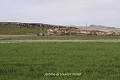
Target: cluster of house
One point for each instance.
(66, 31)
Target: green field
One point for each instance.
(62, 38)
(16, 30)
(30, 61)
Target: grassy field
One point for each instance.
(62, 38)
(30, 61)
(16, 30)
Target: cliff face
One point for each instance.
(17, 24)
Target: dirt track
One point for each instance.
(8, 36)
(31, 41)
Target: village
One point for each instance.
(77, 32)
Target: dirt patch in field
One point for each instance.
(8, 36)
(31, 41)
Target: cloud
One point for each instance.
(64, 12)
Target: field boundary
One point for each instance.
(31, 41)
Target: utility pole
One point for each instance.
(86, 27)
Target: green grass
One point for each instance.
(62, 38)
(30, 61)
(15, 30)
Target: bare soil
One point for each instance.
(30, 41)
(8, 36)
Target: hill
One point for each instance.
(101, 28)
(18, 28)
(25, 28)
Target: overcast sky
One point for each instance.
(62, 12)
